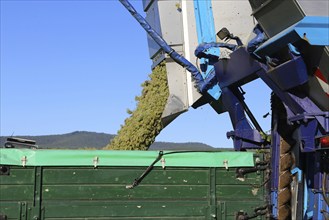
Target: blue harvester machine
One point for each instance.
(288, 51)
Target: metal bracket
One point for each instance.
(24, 161)
(242, 171)
(225, 163)
(163, 163)
(95, 161)
(299, 173)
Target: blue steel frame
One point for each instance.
(205, 26)
(284, 79)
(230, 77)
(310, 121)
(275, 145)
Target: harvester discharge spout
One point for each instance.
(200, 82)
(174, 105)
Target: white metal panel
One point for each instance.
(152, 17)
(190, 43)
(235, 16)
(315, 7)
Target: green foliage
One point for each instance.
(144, 124)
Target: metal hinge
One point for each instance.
(24, 161)
(95, 161)
(225, 163)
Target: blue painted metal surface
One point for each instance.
(308, 213)
(312, 29)
(299, 173)
(297, 73)
(206, 33)
(229, 73)
(314, 207)
(244, 136)
(275, 155)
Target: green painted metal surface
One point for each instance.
(84, 192)
(41, 157)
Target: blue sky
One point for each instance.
(78, 65)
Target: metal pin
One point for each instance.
(163, 163)
(225, 162)
(96, 160)
(24, 160)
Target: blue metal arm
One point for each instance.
(201, 48)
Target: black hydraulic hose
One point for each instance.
(247, 110)
(201, 84)
(138, 180)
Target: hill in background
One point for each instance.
(84, 139)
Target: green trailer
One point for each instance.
(96, 184)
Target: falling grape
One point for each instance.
(144, 124)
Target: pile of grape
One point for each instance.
(144, 124)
